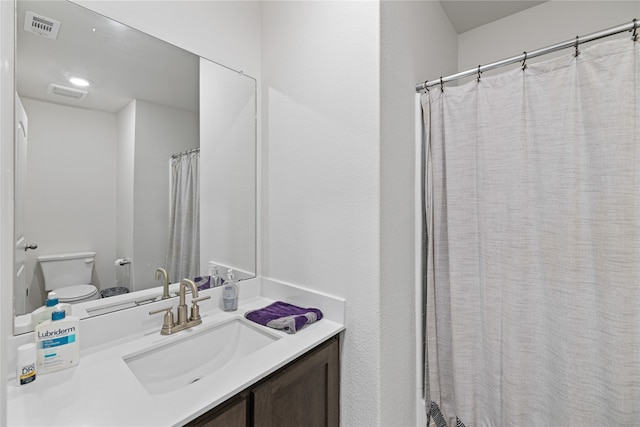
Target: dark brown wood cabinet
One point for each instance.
(233, 413)
(306, 392)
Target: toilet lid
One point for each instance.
(77, 292)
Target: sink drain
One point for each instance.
(197, 379)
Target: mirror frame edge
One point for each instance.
(7, 95)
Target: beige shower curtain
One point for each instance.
(532, 212)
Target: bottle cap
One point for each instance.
(58, 314)
(26, 352)
(52, 299)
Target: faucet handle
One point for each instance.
(168, 323)
(195, 309)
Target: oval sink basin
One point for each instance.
(196, 354)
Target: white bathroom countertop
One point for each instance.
(102, 391)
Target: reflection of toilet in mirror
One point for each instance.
(69, 275)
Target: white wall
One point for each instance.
(227, 155)
(70, 185)
(544, 25)
(408, 55)
(321, 179)
(339, 155)
(124, 192)
(160, 132)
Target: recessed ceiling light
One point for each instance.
(78, 81)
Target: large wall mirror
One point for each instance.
(150, 164)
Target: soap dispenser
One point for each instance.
(215, 280)
(230, 293)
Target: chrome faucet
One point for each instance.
(169, 326)
(165, 283)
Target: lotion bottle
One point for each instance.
(43, 313)
(230, 293)
(57, 342)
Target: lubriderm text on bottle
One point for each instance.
(57, 342)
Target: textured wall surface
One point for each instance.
(409, 54)
(321, 180)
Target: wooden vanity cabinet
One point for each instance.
(303, 393)
(232, 413)
(306, 392)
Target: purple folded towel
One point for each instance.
(286, 317)
(202, 283)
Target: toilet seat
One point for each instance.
(70, 294)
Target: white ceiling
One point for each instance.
(122, 63)
(466, 15)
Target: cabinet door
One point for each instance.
(305, 393)
(233, 414)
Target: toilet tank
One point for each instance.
(61, 270)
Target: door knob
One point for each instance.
(31, 246)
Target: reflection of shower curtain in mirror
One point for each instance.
(183, 252)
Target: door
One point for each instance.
(305, 393)
(21, 290)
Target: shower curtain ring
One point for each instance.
(634, 37)
(524, 61)
(479, 72)
(577, 42)
(425, 85)
(441, 85)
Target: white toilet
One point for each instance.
(69, 275)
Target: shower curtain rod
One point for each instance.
(633, 26)
(183, 153)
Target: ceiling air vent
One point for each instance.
(66, 91)
(41, 25)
